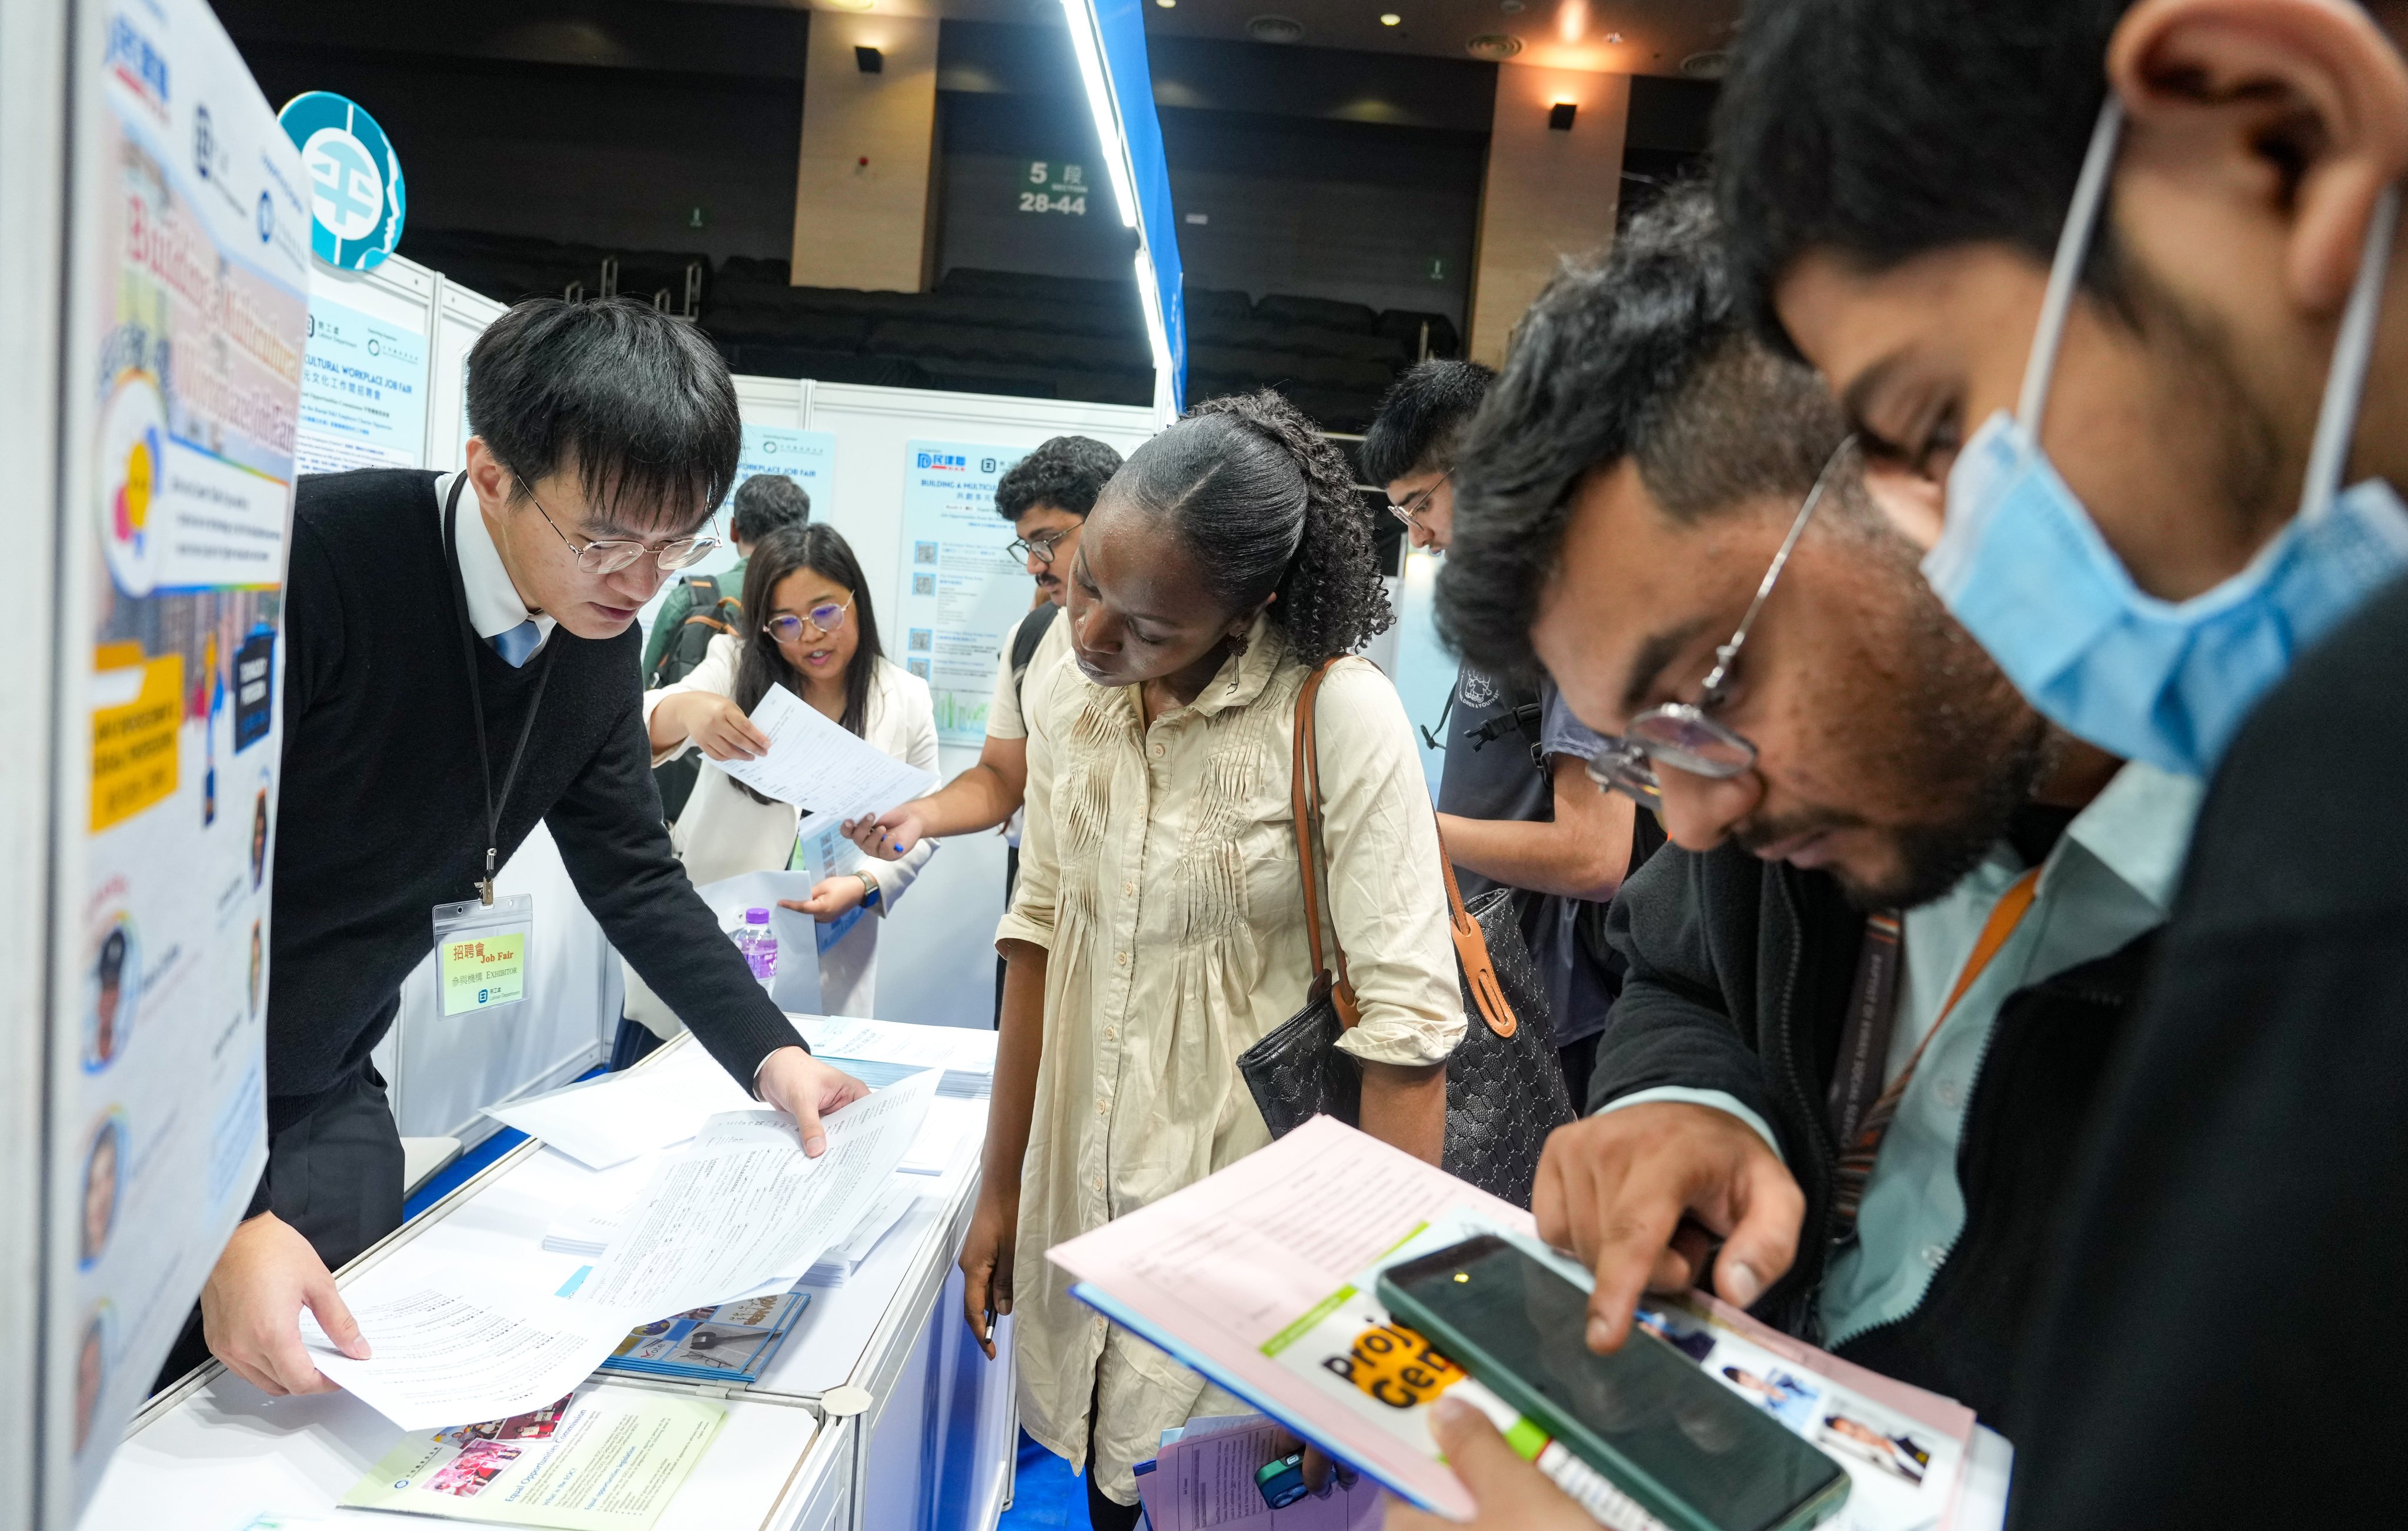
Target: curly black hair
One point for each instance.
(1067, 472)
(1269, 508)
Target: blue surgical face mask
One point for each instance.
(2023, 566)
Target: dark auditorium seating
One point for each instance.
(978, 331)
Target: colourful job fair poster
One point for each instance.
(189, 315)
(363, 392)
(962, 591)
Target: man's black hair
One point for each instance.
(1421, 422)
(641, 405)
(1881, 130)
(1644, 356)
(765, 502)
(1067, 472)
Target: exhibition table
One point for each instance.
(879, 1413)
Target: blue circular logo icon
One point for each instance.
(356, 200)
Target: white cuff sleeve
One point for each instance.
(1718, 1100)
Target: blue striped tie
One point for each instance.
(518, 645)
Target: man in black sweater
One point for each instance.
(461, 665)
(1899, 177)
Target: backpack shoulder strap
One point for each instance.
(1025, 639)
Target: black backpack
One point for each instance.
(1024, 639)
(707, 614)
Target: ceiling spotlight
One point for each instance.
(1166, 5)
(1614, 36)
(1389, 17)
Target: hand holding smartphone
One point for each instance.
(1694, 1454)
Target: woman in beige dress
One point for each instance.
(1158, 927)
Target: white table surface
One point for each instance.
(222, 1452)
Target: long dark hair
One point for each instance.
(823, 550)
(1268, 507)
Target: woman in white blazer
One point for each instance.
(809, 626)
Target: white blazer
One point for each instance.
(723, 831)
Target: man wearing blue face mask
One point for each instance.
(2152, 326)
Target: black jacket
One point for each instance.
(381, 813)
(2221, 1346)
(1739, 981)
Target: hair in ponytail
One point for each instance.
(1269, 508)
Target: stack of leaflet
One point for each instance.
(730, 1343)
(837, 1266)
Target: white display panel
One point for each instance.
(34, 51)
(364, 376)
(187, 314)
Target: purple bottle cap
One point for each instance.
(756, 916)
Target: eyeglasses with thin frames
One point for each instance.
(1683, 734)
(609, 556)
(825, 619)
(1041, 546)
(1416, 503)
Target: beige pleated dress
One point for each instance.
(1158, 868)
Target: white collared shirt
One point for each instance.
(494, 604)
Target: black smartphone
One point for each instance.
(1695, 1454)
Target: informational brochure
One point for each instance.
(820, 766)
(601, 1459)
(962, 589)
(1204, 1479)
(731, 1343)
(1262, 1277)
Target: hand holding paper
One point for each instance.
(815, 764)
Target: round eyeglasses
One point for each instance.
(1041, 546)
(788, 628)
(1681, 734)
(611, 555)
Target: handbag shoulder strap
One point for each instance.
(1304, 794)
(1471, 954)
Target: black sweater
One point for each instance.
(382, 816)
(1741, 973)
(2220, 1342)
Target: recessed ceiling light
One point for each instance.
(1166, 5)
(1389, 17)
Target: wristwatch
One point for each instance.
(868, 890)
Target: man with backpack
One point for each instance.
(1046, 496)
(701, 607)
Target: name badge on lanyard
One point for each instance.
(482, 952)
(480, 943)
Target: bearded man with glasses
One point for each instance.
(1875, 981)
(462, 667)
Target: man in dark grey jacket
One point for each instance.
(1872, 992)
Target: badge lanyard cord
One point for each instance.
(477, 696)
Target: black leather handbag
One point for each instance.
(1504, 1090)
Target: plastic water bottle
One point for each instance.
(759, 944)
